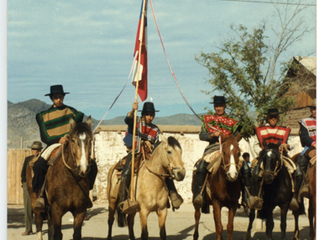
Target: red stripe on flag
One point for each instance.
(143, 66)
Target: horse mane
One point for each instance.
(173, 142)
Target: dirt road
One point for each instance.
(179, 225)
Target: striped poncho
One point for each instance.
(54, 122)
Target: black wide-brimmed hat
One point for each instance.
(219, 100)
(148, 107)
(273, 111)
(36, 145)
(56, 89)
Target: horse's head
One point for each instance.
(231, 154)
(271, 161)
(171, 157)
(80, 145)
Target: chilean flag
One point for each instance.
(141, 68)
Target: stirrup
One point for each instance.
(255, 202)
(198, 201)
(176, 200)
(304, 192)
(40, 204)
(129, 207)
(294, 205)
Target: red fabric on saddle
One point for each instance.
(225, 124)
(272, 134)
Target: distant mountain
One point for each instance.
(23, 128)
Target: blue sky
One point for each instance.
(88, 47)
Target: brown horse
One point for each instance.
(67, 184)
(224, 188)
(311, 179)
(151, 190)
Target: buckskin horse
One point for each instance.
(67, 184)
(311, 180)
(224, 188)
(151, 190)
(276, 190)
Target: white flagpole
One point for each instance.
(132, 195)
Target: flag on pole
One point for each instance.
(141, 68)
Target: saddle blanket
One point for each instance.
(46, 153)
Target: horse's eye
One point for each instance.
(169, 152)
(73, 140)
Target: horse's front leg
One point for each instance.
(162, 215)
(283, 223)
(130, 219)
(143, 222)
(217, 219)
(251, 219)
(111, 213)
(56, 217)
(232, 212)
(77, 223)
(310, 216)
(296, 225)
(269, 223)
(197, 214)
(38, 216)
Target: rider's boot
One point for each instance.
(246, 176)
(126, 206)
(302, 165)
(40, 202)
(175, 197)
(199, 176)
(40, 169)
(254, 201)
(124, 184)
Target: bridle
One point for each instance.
(225, 165)
(170, 169)
(279, 164)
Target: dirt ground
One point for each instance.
(179, 225)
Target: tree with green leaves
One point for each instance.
(244, 69)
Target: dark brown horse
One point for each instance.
(224, 188)
(311, 180)
(67, 184)
(151, 190)
(276, 190)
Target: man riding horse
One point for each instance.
(220, 125)
(270, 133)
(54, 128)
(148, 134)
(308, 136)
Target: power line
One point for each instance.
(304, 4)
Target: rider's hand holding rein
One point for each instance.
(63, 140)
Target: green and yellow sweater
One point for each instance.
(54, 122)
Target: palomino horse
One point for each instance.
(224, 188)
(67, 184)
(151, 190)
(276, 190)
(311, 179)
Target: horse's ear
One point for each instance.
(279, 143)
(264, 143)
(89, 121)
(165, 141)
(238, 137)
(72, 123)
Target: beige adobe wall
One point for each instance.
(109, 149)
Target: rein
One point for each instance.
(277, 168)
(160, 175)
(225, 166)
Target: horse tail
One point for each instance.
(121, 218)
